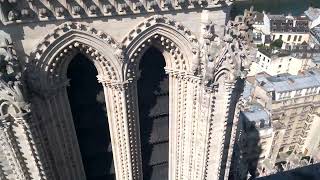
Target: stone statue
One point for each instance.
(10, 81)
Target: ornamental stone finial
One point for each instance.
(8, 64)
(232, 53)
(10, 81)
(208, 30)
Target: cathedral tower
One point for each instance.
(125, 90)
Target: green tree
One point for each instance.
(276, 43)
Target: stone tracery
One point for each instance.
(166, 34)
(180, 49)
(48, 68)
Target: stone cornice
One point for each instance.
(25, 11)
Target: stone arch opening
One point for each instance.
(179, 49)
(87, 103)
(153, 98)
(178, 43)
(47, 80)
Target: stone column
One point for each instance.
(124, 128)
(176, 107)
(36, 137)
(27, 139)
(191, 118)
(9, 158)
(231, 124)
(52, 110)
(222, 127)
(183, 108)
(204, 130)
(20, 148)
(215, 119)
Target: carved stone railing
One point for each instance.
(17, 11)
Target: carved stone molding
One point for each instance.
(224, 61)
(160, 19)
(73, 27)
(46, 70)
(177, 45)
(232, 54)
(125, 131)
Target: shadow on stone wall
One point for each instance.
(235, 97)
(251, 148)
(246, 150)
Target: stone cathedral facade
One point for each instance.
(44, 134)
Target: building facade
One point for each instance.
(293, 60)
(205, 58)
(254, 141)
(291, 104)
(292, 30)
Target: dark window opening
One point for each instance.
(89, 113)
(153, 94)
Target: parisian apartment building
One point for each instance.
(279, 122)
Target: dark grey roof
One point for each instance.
(315, 32)
(281, 23)
(303, 50)
(247, 92)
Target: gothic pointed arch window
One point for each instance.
(153, 98)
(87, 102)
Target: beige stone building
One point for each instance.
(254, 141)
(125, 90)
(291, 104)
(292, 30)
(293, 61)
